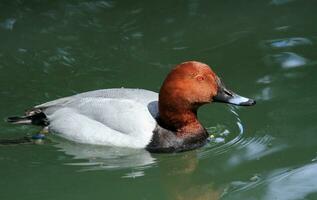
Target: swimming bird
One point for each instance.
(138, 118)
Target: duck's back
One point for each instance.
(119, 117)
(144, 97)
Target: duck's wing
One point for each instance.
(142, 96)
(115, 122)
(119, 117)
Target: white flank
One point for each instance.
(114, 117)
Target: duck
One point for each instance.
(161, 122)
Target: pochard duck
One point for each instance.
(138, 118)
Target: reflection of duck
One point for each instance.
(138, 118)
(97, 157)
(182, 182)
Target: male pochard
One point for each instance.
(138, 118)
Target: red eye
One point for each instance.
(200, 78)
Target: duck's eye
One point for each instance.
(200, 78)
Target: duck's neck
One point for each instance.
(178, 129)
(182, 120)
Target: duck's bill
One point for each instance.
(227, 96)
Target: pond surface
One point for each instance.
(265, 49)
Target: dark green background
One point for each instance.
(264, 49)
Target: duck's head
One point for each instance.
(190, 85)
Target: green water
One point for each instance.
(265, 49)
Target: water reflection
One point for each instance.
(179, 175)
(178, 171)
(90, 6)
(280, 2)
(94, 157)
(282, 28)
(289, 42)
(294, 184)
(289, 60)
(265, 79)
(8, 24)
(252, 149)
(265, 94)
(193, 7)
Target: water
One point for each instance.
(262, 49)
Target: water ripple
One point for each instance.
(237, 147)
(223, 139)
(289, 42)
(252, 149)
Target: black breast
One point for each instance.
(166, 141)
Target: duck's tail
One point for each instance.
(19, 120)
(32, 117)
